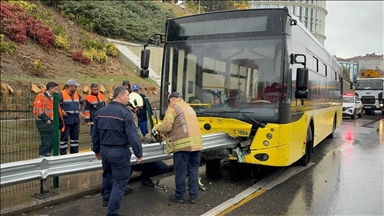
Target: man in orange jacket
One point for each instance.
(43, 112)
(93, 102)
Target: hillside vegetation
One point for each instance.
(53, 40)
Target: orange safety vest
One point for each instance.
(43, 104)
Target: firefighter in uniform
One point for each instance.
(71, 104)
(114, 132)
(93, 102)
(184, 140)
(43, 112)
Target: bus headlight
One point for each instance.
(266, 143)
(269, 136)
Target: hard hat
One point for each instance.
(136, 100)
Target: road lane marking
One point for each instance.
(242, 202)
(256, 190)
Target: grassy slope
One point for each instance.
(58, 66)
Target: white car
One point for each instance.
(352, 106)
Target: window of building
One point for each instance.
(325, 70)
(315, 64)
(335, 75)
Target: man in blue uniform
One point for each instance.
(114, 132)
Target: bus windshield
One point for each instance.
(235, 78)
(369, 85)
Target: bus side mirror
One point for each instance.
(301, 83)
(144, 63)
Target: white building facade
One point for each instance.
(311, 13)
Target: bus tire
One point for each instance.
(304, 160)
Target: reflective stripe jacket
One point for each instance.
(181, 127)
(43, 108)
(92, 104)
(70, 103)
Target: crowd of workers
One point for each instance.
(115, 128)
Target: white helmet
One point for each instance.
(136, 100)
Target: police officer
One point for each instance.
(184, 140)
(114, 132)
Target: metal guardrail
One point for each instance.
(42, 168)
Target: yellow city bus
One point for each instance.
(255, 74)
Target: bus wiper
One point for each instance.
(260, 124)
(209, 113)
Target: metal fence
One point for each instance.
(19, 138)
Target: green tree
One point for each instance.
(209, 6)
(170, 1)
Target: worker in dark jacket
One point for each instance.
(72, 105)
(127, 85)
(113, 133)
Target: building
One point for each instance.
(357, 64)
(310, 12)
(369, 61)
(351, 66)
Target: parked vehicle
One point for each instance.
(352, 106)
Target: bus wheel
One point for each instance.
(308, 148)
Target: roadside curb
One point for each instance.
(36, 203)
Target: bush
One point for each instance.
(37, 65)
(131, 20)
(79, 56)
(88, 44)
(61, 42)
(30, 7)
(17, 26)
(58, 30)
(112, 50)
(96, 55)
(5, 47)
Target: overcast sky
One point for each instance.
(354, 28)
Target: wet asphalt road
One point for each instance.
(346, 179)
